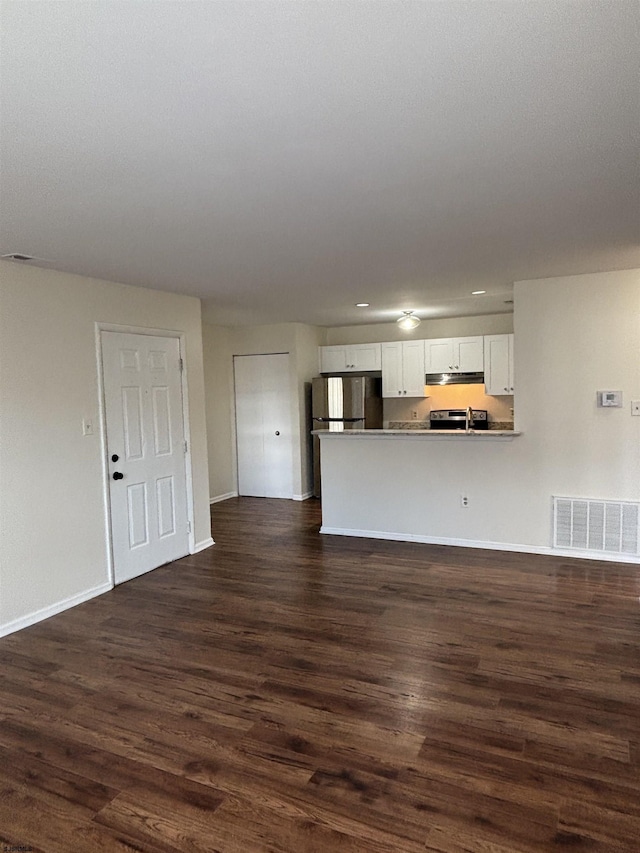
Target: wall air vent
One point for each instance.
(16, 256)
(584, 524)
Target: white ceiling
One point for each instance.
(284, 160)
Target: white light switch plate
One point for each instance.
(635, 408)
(87, 427)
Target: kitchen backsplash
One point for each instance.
(499, 409)
(493, 425)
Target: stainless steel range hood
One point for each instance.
(454, 378)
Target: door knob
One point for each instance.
(277, 432)
(115, 457)
(117, 475)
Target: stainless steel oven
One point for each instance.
(457, 419)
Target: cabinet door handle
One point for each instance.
(506, 389)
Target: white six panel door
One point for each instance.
(145, 431)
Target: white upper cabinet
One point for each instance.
(498, 364)
(354, 358)
(454, 355)
(333, 359)
(403, 369)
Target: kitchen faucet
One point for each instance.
(468, 419)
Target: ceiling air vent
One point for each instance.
(585, 524)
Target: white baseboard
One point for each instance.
(303, 497)
(605, 556)
(53, 609)
(224, 497)
(201, 546)
(474, 543)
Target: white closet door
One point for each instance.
(263, 425)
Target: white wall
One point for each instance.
(221, 344)
(573, 337)
(217, 356)
(447, 327)
(53, 546)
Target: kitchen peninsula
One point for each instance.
(419, 485)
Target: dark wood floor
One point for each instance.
(289, 692)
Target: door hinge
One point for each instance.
(186, 447)
(181, 363)
(188, 527)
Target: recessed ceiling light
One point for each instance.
(477, 292)
(362, 304)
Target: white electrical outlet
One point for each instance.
(464, 500)
(635, 408)
(414, 414)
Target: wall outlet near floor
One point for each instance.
(464, 500)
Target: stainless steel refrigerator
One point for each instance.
(343, 402)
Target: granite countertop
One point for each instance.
(458, 434)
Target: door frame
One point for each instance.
(102, 417)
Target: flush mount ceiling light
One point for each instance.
(362, 304)
(408, 321)
(477, 292)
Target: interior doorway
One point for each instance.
(263, 425)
